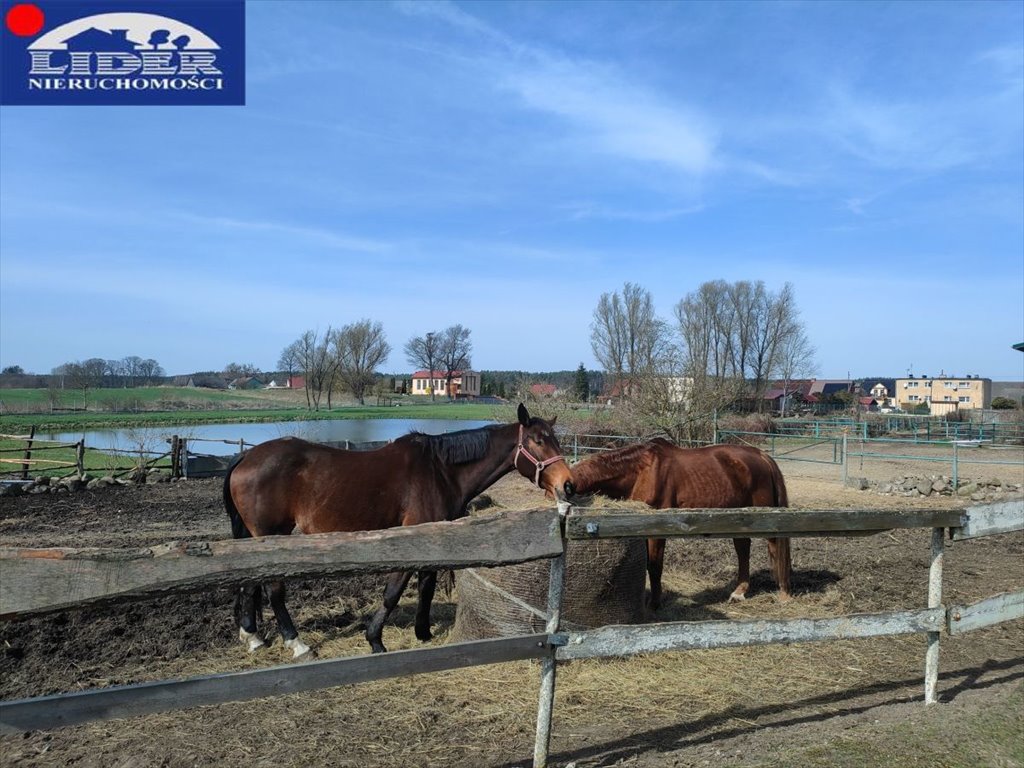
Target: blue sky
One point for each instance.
(502, 165)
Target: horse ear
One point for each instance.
(553, 420)
(524, 415)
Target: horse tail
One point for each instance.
(238, 529)
(781, 496)
(782, 564)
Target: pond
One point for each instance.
(226, 436)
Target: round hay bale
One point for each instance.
(604, 584)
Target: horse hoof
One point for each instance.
(378, 648)
(737, 597)
(298, 648)
(424, 636)
(252, 641)
(785, 597)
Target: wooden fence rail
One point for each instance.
(40, 581)
(37, 581)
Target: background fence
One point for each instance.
(40, 581)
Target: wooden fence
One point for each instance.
(38, 581)
(32, 444)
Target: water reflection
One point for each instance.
(155, 439)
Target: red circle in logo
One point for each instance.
(25, 19)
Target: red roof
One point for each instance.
(542, 390)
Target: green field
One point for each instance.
(21, 409)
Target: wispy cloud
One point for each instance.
(582, 211)
(896, 134)
(615, 116)
(1008, 62)
(323, 237)
(608, 112)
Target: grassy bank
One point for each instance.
(225, 409)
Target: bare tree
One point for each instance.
(425, 352)
(456, 351)
(114, 373)
(796, 360)
(238, 370)
(130, 366)
(289, 361)
(84, 375)
(150, 369)
(735, 337)
(311, 354)
(627, 337)
(360, 348)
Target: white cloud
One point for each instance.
(615, 116)
(609, 113)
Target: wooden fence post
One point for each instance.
(28, 453)
(548, 664)
(80, 457)
(931, 660)
(175, 457)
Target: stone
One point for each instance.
(924, 488)
(857, 483)
(940, 486)
(967, 490)
(979, 496)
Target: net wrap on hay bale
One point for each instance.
(604, 584)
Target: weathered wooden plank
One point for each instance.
(753, 522)
(57, 711)
(984, 613)
(43, 580)
(988, 519)
(688, 635)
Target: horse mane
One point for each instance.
(454, 447)
(606, 464)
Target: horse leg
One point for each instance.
(392, 594)
(284, 621)
(743, 570)
(427, 584)
(782, 564)
(245, 615)
(655, 565)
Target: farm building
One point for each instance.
(246, 382)
(464, 383)
(539, 391)
(205, 380)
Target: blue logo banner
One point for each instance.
(118, 52)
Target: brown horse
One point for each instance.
(289, 484)
(664, 476)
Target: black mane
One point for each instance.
(456, 447)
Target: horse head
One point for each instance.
(538, 456)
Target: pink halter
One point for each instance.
(521, 450)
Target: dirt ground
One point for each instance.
(844, 703)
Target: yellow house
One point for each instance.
(944, 394)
